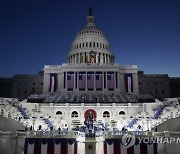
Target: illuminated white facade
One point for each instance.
(90, 67)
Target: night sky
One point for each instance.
(34, 33)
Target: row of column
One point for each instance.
(119, 81)
(90, 57)
(104, 83)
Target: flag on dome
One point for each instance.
(93, 56)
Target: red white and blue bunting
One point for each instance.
(50, 146)
(114, 146)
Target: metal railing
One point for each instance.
(75, 134)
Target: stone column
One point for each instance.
(121, 82)
(103, 80)
(107, 58)
(135, 82)
(60, 86)
(101, 58)
(94, 81)
(86, 82)
(115, 80)
(79, 58)
(97, 55)
(74, 80)
(88, 59)
(77, 80)
(106, 81)
(75, 58)
(46, 82)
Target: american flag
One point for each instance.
(93, 56)
(50, 146)
(110, 80)
(90, 80)
(99, 80)
(82, 80)
(70, 80)
(53, 82)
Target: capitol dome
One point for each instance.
(90, 45)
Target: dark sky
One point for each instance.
(34, 33)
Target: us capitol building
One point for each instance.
(88, 105)
(90, 67)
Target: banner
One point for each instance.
(90, 80)
(53, 82)
(114, 146)
(82, 80)
(128, 82)
(99, 80)
(70, 80)
(110, 80)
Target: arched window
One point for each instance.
(80, 45)
(74, 114)
(106, 114)
(121, 113)
(83, 45)
(93, 44)
(97, 45)
(86, 44)
(100, 45)
(90, 44)
(59, 113)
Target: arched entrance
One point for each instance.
(90, 112)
